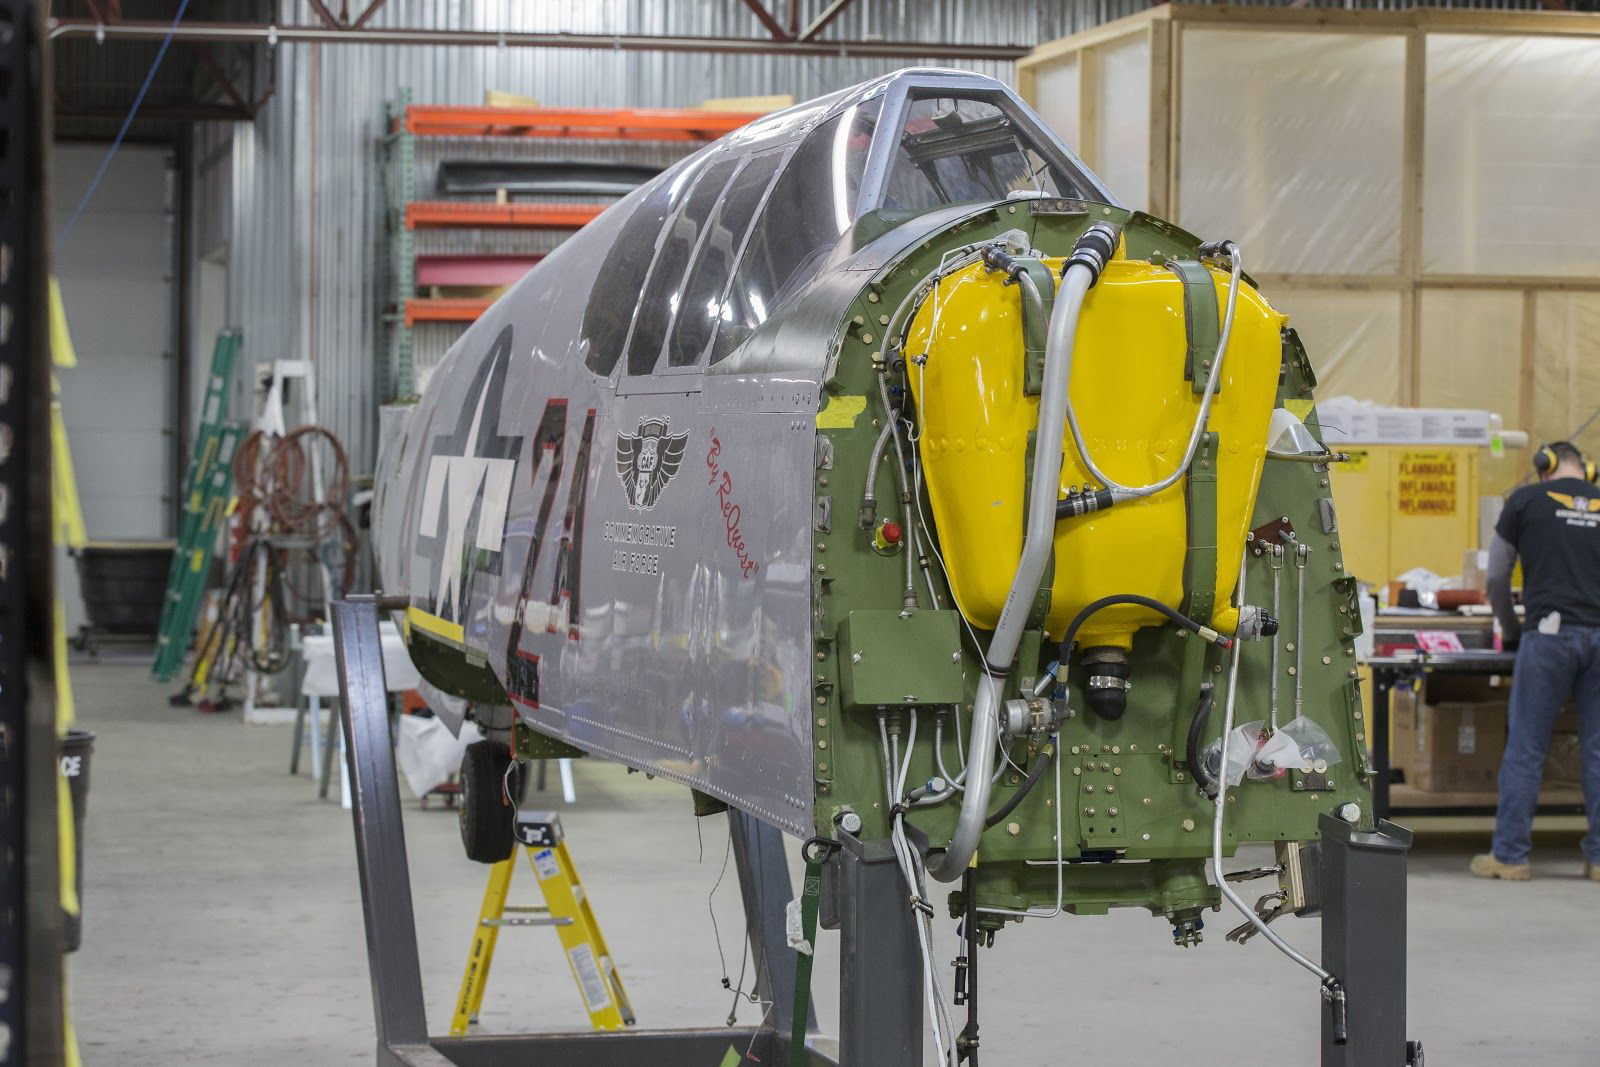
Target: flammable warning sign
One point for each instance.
(1425, 483)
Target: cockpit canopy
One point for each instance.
(719, 242)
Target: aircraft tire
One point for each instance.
(484, 816)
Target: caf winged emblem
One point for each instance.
(1575, 503)
(647, 460)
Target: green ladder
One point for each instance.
(209, 487)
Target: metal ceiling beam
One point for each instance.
(820, 23)
(767, 19)
(145, 30)
(160, 113)
(366, 16)
(329, 19)
(223, 80)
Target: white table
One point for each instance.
(322, 680)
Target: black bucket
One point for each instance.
(124, 584)
(76, 748)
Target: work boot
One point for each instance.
(1591, 872)
(1486, 866)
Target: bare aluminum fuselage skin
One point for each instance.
(631, 554)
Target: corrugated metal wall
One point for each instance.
(301, 188)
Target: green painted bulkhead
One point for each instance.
(1136, 832)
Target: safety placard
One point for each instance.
(1426, 483)
(545, 863)
(588, 972)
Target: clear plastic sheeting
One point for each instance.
(1471, 351)
(1122, 96)
(1291, 145)
(1314, 747)
(1566, 368)
(1242, 745)
(1055, 96)
(1253, 749)
(1352, 337)
(1511, 156)
(1288, 436)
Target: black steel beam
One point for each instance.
(180, 113)
(256, 33)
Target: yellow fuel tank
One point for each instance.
(1135, 408)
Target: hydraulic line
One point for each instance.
(1093, 250)
(1275, 558)
(869, 495)
(1121, 492)
(907, 520)
(906, 857)
(1197, 729)
(1300, 559)
(1060, 864)
(1093, 607)
(1330, 985)
(1046, 752)
(967, 1043)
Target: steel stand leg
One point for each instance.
(1364, 941)
(880, 966)
(764, 885)
(380, 836)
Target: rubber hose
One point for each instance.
(1191, 750)
(1143, 601)
(1035, 772)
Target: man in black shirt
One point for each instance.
(1554, 526)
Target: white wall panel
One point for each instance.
(1122, 155)
(1511, 155)
(1291, 145)
(117, 286)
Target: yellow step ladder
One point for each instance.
(566, 908)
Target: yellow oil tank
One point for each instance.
(1135, 408)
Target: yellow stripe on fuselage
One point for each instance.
(444, 630)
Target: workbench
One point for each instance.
(1398, 799)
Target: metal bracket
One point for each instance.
(1201, 322)
(1200, 561)
(1035, 332)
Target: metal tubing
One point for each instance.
(907, 519)
(1300, 560)
(1275, 561)
(1127, 492)
(259, 33)
(1036, 547)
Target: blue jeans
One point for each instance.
(1550, 669)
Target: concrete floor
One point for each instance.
(223, 925)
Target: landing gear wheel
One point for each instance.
(484, 815)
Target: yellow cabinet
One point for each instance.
(1405, 506)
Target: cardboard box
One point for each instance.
(1567, 721)
(1444, 744)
